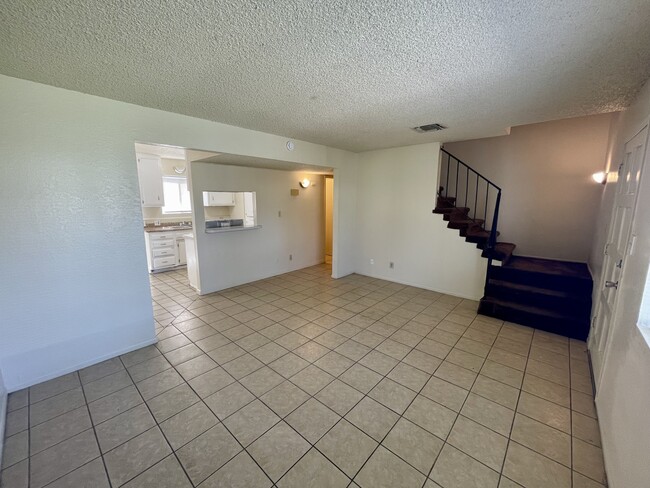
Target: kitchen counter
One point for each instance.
(166, 228)
(218, 230)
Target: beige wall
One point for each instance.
(329, 199)
(623, 395)
(549, 202)
(396, 193)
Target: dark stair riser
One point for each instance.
(577, 286)
(576, 329)
(561, 303)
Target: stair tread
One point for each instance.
(550, 267)
(533, 310)
(542, 291)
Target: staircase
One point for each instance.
(554, 296)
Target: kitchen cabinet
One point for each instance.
(218, 199)
(181, 256)
(150, 178)
(165, 250)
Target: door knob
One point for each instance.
(611, 284)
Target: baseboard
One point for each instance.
(81, 365)
(3, 414)
(419, 285)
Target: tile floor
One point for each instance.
(305, 381)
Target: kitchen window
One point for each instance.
(177, 196)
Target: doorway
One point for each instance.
(618, 247)
(329, 211)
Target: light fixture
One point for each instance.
(178, 170)
(600, 177)
(305, 183)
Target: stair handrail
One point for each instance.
(491, 243)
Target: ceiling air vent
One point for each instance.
(429, 128)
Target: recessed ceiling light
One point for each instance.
(429, 128)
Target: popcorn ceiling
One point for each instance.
(349, 74)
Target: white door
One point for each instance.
(617, 248)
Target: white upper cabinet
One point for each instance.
(218, 199)
(151, 181)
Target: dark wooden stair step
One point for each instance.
(501, 252)
(464, 223)
(448, 210)
(537, 317)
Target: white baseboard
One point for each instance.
(3, 414)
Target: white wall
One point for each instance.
(74, 287)
(624, 393)
(235, 257)
(396, 194)
(549, 202)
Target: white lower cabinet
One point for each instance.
(165, 249)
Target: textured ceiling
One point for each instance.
(353, 74)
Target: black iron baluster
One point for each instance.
(447, 187)
(466, 184)
(487, 193)
(457, 171)
(476, 196)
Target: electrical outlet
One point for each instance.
(290, 257)
(372, 261)
(391, 265)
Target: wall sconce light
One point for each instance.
(600, 177)
(305, 183)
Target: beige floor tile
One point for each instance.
(171, 402)
(228, 400)
(372, 418)
(136, 456)
(168, 473)
(58, 429)
(547, 390)
(454, 469)
(16, 476)
(48, 465)
(123, 427)
(496, 391)
(56, 405)
(583, 403)
(423, 361)
(239, 472)
(413, 444)
(91, 474)
(431, 416)
(361, 378)
(339, 397)
(385, 470)
(196, 366)
(285, 398)
(465, 359)
(543, 439)
(455, 374)
(392, 395)
(555, 374)
(261, 381)
(16, 421)
(588, 460)
(242, 366)
(334, 363)
(312, 420)
(379, 362)
(288, 365)
(312, 379)
(443, 392)
(188, 424)
(208, 383)
(15, 449)
(488, 413)
(100, 370)
(278, 449)
(479, 442)
(53, 387)
(504, 374)
(533, 470)
(544, 411)
(580, 481)
(347, 447)
(585, 428)
(207, 453)
(507, 358)
(314, 470)
(250, 422)
(159, 383)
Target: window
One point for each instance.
(177, 196)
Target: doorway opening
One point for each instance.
(329, 212)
